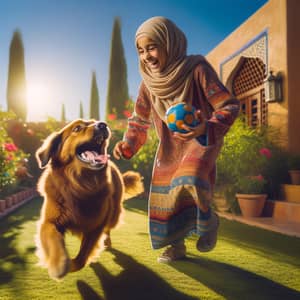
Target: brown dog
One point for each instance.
(83, 192)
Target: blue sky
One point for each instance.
(66, 40)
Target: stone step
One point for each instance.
(282, 210)
(291, 192)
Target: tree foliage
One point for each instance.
(63, 113)
(81, 113)
(117, 94)
(16, 84)
(94, 101)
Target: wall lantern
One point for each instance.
(273, 88)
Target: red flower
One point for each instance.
(111, 117)
(265, 152)
(127, 113)
(10, 147)
(259, 177)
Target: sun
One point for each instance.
(38, 98)
(37, 91)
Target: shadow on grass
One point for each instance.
(138, 204)
(232, 282)
(269, 244)
(10, 227)
(134, 282)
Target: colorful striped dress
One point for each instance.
(183, 172)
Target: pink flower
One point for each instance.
(265, 152)
(10, 147)
(9, 157)
(127, 113)
(111, 117)
(259, 177)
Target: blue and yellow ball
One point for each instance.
(180, 114)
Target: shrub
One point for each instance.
(11, 157)
(249, 152)
(251, 184)
(141, 161)
(294, 162)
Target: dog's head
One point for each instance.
(81, 142)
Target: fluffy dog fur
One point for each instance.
(83, 192)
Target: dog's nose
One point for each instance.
(101, 125)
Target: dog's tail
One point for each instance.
(134, 185)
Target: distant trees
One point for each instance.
(63, 114)
(117, 93)
(81, 114)
(16, 83)
(94, 101)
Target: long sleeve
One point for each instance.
(225, 106)
(138, 124)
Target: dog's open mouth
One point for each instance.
(93, 153)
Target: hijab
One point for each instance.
(173, 84)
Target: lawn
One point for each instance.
(248, 263)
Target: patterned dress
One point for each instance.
(183, 172)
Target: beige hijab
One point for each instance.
(173, 84)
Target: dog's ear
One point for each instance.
(48, 149)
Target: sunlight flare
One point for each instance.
(39, 97)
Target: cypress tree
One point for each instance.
(63, 114)
(81, 114)
(94, 102)
(117, 93)
(16, 83)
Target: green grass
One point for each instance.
(248, 263)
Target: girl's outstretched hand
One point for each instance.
(192, 132)
(117, 152)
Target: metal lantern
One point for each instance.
(273, 88)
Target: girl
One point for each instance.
(184, 166)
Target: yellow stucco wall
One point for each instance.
(272, 18)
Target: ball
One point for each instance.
(180, 114)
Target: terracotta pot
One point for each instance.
(295, 176)
(251, 205)
(221, 203)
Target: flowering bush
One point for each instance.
(11, 157)
(251, 185)
(247, 152)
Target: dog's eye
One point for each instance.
(77, 128)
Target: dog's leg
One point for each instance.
(53, 251)
(107, 240)
(88, 248)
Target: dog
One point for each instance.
(83, 192)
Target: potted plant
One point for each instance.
(294, 168)
(251, 195)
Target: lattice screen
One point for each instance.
(249, 77)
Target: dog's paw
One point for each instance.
(60, 268)
(107, 245)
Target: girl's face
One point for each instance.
(151, 54)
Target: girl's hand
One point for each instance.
(117, 152)
(192, 132)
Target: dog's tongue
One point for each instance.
(94, 156)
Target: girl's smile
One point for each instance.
(151, 55)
